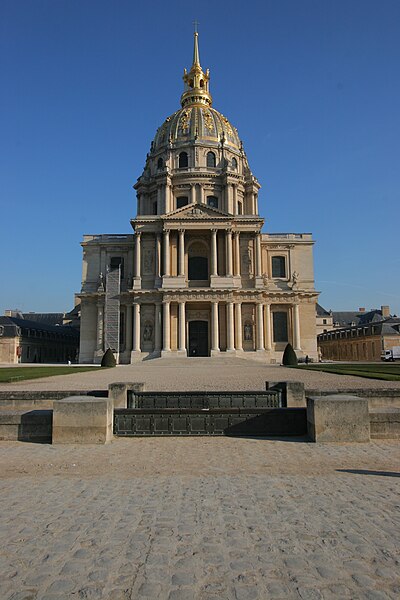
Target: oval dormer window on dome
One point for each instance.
(183, 160)
(211, 160)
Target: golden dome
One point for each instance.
(197, 123)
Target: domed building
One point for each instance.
(197, 277)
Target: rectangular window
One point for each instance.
(280, 326)
(278, 266)
(180, 202)
(115, 262)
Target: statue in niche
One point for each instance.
(248, 332)
(148, 331)
(101, 283)
(295, 278)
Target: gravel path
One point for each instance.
(200, 519)
(199, 374)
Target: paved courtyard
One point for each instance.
(199, 374)
(200, 519)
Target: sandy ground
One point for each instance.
(199, 374)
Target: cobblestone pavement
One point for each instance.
(200, 519)
(199, 374)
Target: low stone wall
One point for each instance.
(26, 426)
(385, 423)
(21, 400)
(377, 398)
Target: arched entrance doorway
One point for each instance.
(198, 338)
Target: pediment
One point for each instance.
(196, 211)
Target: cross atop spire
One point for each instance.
(196, 81)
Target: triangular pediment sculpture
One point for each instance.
(197, 211)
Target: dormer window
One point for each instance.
(182, 201)
(211, 161)
(160, 163)
(212, 201)
(183, 160)
(234, 164)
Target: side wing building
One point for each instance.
(197, 277)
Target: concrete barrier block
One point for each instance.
(118, 392)
(82, 420)
(338, 418)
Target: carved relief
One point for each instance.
(148, 261)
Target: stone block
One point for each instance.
(82, 420)
(26, 426)
(338, 418)
(293, 393)
(118, 392)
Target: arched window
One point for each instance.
(240, 208)
(160, 163)
(198, 262)
(280, 326)
(278, 266)
(234, 164)
(211, 159)
(182, 201)
(183, 160)
(212, 201)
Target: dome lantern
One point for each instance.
(196, 81)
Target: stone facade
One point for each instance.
(197, 277)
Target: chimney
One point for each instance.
(385, 310)
(362, 309)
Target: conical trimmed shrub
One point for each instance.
(289, 358)
(108, 359)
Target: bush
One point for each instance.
(289, 358)
(108, 359)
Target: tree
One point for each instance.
(289, 358)
(108, 359)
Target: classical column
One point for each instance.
(258, 255)
(214, 327)
(182, 328)
(201, 194)
(260, 327)
(268, 337)
(158, 255)
(181, 266)
(237, 252)
(137, 254)
(230, 327)
(157, 327)
(238, 310)
(166, 253)
(128, 329)
(167, 196)
(193, 193)
(235, 207)
(214, 255)
(256, 204)
(296, 327)
(229, 191)
(100, 326)
(166, 327)
(136, 327)
(228, 238)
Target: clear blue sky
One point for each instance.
(312, 86)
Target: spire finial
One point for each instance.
(196, 55)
